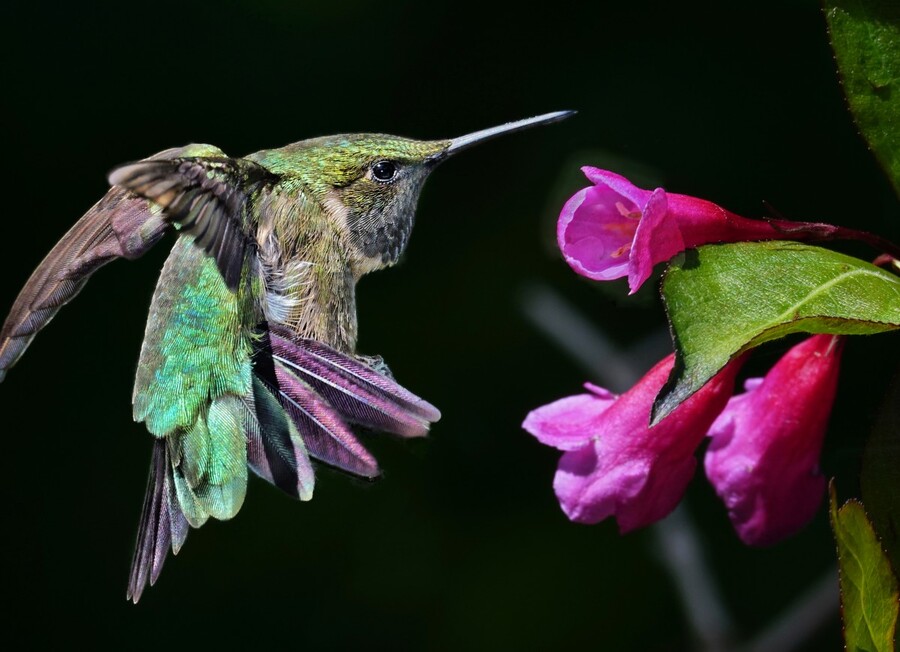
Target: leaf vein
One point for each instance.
(786, 315)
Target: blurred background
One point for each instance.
(461, 545)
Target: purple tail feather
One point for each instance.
(357, 392)
(322, 390)
(327, 438)
(163, 525)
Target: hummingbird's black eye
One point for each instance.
(384, 171)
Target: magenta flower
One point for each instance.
(763, 459)
(613, 463)
(614, 229)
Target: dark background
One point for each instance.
(462, 544)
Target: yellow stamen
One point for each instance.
(624, 212)
(621, 251)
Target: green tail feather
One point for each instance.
(210, 461)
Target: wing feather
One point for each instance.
(206, 196)
(120, 225)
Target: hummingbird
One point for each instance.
(249, 355)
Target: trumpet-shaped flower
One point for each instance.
(613, 463)
(614, 229)
(763, 459)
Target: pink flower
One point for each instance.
(613, 463)
(764, 456)
(614, 229)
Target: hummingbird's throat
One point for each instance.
(377, 236)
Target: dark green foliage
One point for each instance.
(865, 35)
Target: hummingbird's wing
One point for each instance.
(206, 197)
(120, 225)
(194, 392)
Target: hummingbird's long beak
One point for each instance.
(464, 142)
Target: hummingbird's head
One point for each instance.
(370, 183)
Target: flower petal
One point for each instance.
(657, 238)
(666, 484)
(723, 427)
(618, 184)
(569, 423)
(764, 455)
(594, 236)
(590, 490)
(615, 464)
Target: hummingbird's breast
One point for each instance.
(310, 286)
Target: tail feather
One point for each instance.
(178, 524)
(301, 398)
(275, 449)
(210, 462)
(188, 502)
(162, 527)
(327, 438)
(341, 377)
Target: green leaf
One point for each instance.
(880, 479)
(865, 35)
(869, 595)
(725, 299)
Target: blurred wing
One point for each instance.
(206, 197)
(120, 225)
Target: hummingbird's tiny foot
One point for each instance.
(377, 363)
